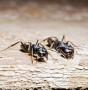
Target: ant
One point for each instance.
(66, 49)
(36, 50)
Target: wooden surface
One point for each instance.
(17, 71)
(21, 73)
(35, 76)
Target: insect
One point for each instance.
(65, 49)
(36, 50)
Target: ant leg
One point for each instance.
(47, 57)
(37, 42)
(73, 45)
(29, 48)
(24, 47)
(32, 55)
(30, 51)
(11, 46)
(51, 45)
(63, 53)
(78, 47)
(41, 44)
(63, 38)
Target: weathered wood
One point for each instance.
(17, 71)
(51, 75)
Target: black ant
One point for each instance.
(66, 49)
(36, 50)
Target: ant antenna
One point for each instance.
(63, 37)
(11, 46)
(37, 41)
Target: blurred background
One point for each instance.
(44, 18)
(44, 9)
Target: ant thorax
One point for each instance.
(39, 50)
